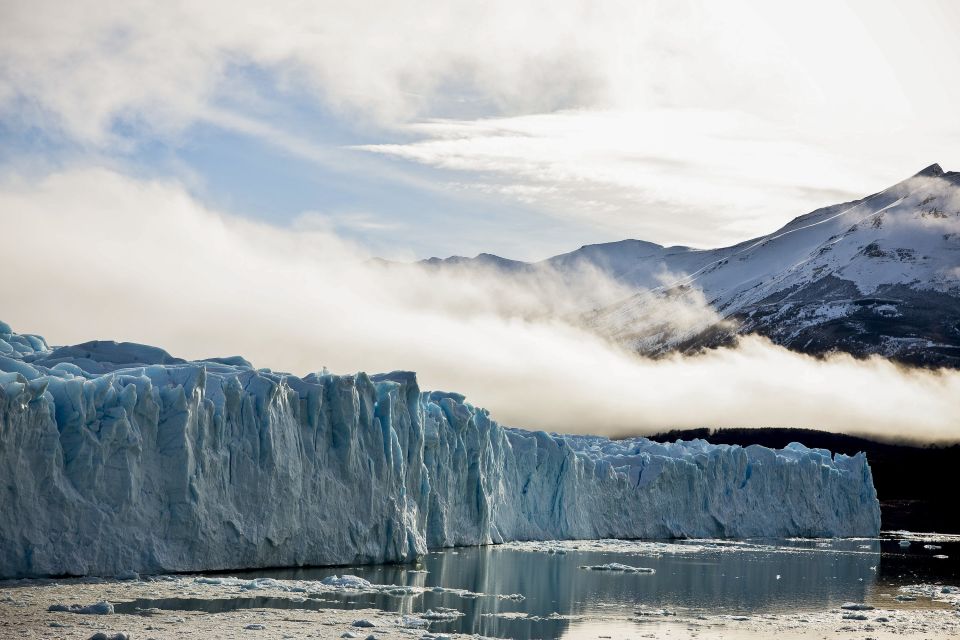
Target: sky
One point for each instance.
(420, 129)
(214, 178)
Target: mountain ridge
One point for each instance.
(877, 275)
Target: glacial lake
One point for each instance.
(562, 599)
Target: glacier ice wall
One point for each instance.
(118, 456)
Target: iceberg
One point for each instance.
(118, 457)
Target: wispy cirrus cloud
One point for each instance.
(672, 176)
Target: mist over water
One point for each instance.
(93, 254)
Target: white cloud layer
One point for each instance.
(94, 254)
(679, 122)
(164, 65)
(88, 63)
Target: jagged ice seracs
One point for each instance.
(118, 457)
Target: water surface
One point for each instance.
(562, 599)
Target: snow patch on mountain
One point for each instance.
(878, 275)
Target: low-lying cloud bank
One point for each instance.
(92, 254)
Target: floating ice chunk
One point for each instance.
(616, 566)
(363, 623)
(655, 612)
(855, 616)
(442, 613)
(100, 609)
(346, 582)
(414, 622)
(926, 537)
(261, 583)
(938, 592)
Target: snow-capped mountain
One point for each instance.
(877, 275)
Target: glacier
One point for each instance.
(118, 457)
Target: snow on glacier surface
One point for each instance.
(118, 457)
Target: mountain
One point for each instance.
(484, 260)
(879, 275)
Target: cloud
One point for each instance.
(669, 176)
(96, 254)
(345, 221)
(162, 66)
(677, 122)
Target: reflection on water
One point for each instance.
(784, 576)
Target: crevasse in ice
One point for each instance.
(118, 457)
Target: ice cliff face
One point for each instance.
(118, 456)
